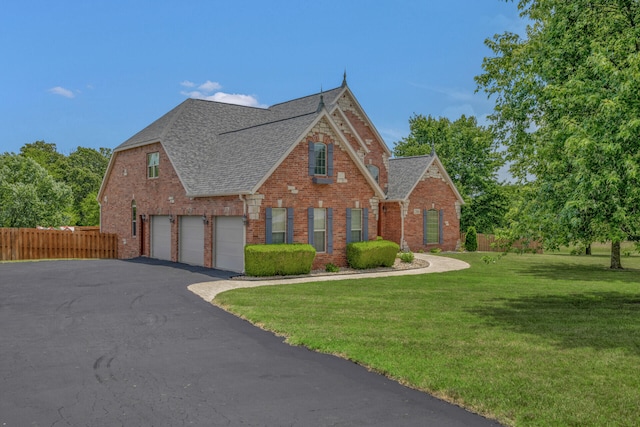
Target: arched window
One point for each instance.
(320, 154)
(134, 216)
(374, 171)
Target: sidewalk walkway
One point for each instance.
(437, 264)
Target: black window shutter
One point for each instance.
(330, 230)
(268, 226)
(365, 224)
(310, 218)
(441, 225)
(289, 225)
(312, 159)
(330, 160)
(348, 225)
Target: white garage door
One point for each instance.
(229, 249)
(160, 237)
(191, 250)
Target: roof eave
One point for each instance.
(226, 194)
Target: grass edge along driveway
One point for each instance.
(529, 340)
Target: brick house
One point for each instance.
(207, 178)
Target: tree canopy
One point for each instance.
(470, 155)
(80, 172)
(568, 109)
(30, 196)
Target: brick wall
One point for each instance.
(164, 195)
(435, 194)
(290, 186)
(390, 226)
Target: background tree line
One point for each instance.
(41, 187)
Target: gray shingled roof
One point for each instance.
(219, 148)
(404, 173)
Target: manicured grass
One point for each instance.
(544, 340)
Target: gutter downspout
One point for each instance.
(402, 242)
(244, 225)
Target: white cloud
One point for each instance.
(235, 98)
(207, 91)
(209, 86)
(59, 90)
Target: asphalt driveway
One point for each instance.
(108, 343)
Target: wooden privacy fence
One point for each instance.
(489, 243)
(31, 243)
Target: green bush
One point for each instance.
(371, 254)
(278, 259)
(471, 240)
(406, 257)
(331, 268)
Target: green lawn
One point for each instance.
(549, 340)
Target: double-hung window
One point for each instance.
(153, 163)
(321, 229)
(279, 225)
(357, 225)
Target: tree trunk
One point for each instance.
(588, 249)
(615, 256)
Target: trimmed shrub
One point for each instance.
(371, 254)
(407, 257)
(278, 259)
(471, 240)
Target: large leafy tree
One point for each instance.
(84, 175)
(46, 155)
(470, 155)
(82, 171)
(568, 108)
(30, 196)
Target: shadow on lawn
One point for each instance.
(581, 272)
(599, 320)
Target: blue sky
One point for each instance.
(93, 73)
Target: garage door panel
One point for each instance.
(229, 247)
(160, 237)
(191, 250)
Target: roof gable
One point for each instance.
(406, 172)
(348, 102)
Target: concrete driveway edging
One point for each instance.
(437, 264)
